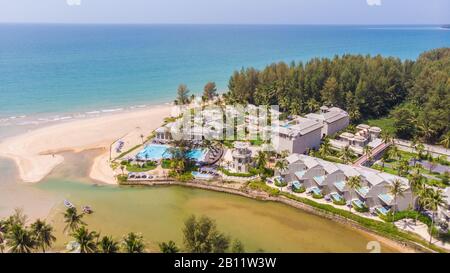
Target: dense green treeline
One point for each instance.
(365, 86)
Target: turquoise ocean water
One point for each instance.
(54, 69)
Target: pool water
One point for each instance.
(157, 152)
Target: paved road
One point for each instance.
(435, 151)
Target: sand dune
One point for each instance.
(36, 152)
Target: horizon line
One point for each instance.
(222, 24)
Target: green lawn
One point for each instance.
(136, 168)
(386, 124)
(408, 156)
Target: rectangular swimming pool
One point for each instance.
(158, 152)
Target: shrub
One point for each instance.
(228, 173)
(279, 183)
(317, 196)
(406, 214)
(262, 186)
(165, 163)
(361, 210)
(340, 202)
(302, 189)
(141, 168)
(121, 178)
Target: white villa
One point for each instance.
(295, 136)
(328, 178)
(304, 133)
(242, 157)
(332, 119)
(366, 135)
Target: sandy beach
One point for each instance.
(36, 152)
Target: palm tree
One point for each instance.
(325, 148)
(421, 192)
(426, 129)
(312, 105)
(445, 140)
(368, 152)
(261, 160)
(284, 153)
(396, 189)
(182, 94)
(282, 165)
(43, 234)
(353, 183)
(403, 167)
(108, 245)
(416, 182)
(134, 243)
(386, 137)
(413, 144)
(169, 247)
(346, 154)
(384, 158)
(434, 199)
(20, 240)
(2, 242)
(3, 230)
(142, 138)
(420, 149)
(72, 219)
(86, 239)
(394, 153)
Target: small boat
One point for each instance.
(68, 204)
(87, 210)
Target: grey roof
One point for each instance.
(373, 177)
(309, 161)
(333, 114)
(293, 158)
(348, 170)
(302, 127)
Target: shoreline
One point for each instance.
(403, 247)
(37, 152)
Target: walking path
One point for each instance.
(405, 145)
(420, 229)
(363, 159)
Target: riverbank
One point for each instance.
(231, 188)
(37, 152)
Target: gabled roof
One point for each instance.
(331, 115)
(348, 170)
(292, 158)
(310, 162)
(373, 177)
(328, 166)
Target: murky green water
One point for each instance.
(158, 213)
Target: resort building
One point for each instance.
(366, 135)
(242, 157)
(297, 136)
(327, 178)
(304, 133)
(163, 134)
(332, 119)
